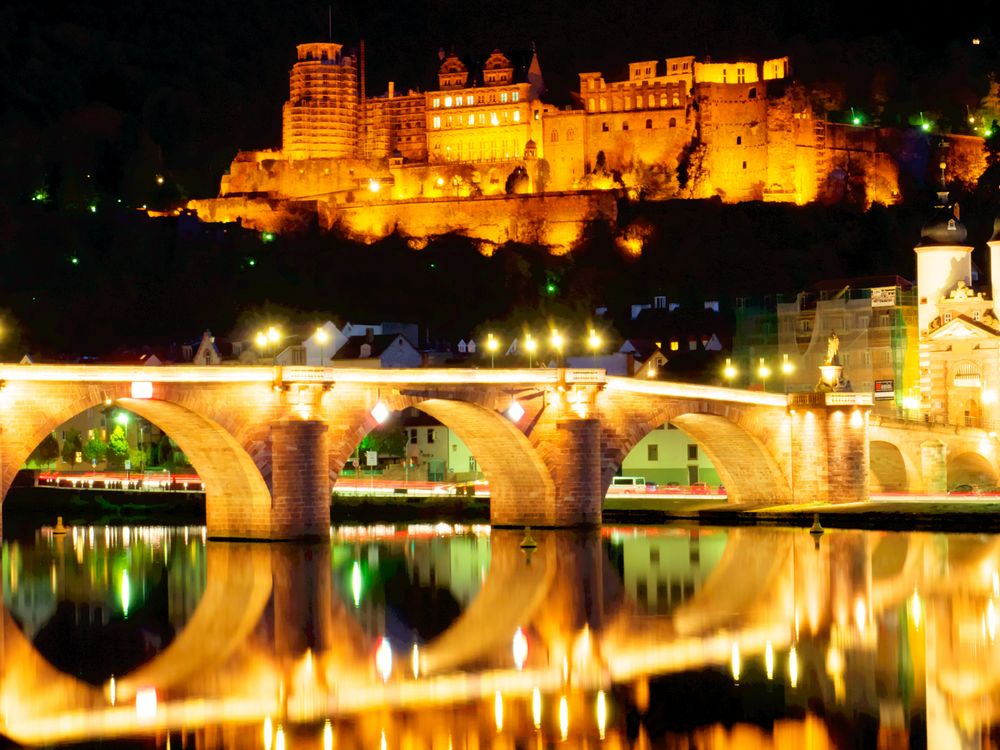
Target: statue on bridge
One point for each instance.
(832, 349)
(831, 371)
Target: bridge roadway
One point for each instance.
(849, 610)
(268, 442)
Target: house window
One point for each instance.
(692, 452)
(436, 103)
(437, 121)
(503, 96)
(430, 435)
(675, 346)
(660, 302)
(590, 104)
(515, 96)
(652, 452)
(947, 317)
(976, 314)
(413, 437)
(723, 75)
(740, 76)
(447, 101)
(649, 124)
(517, 115)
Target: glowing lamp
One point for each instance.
(273, 334)
(563, 717)
(415, 660)
(145, 704)
(530, 344)
(491, 343)
(763, 370)
(594, 341)
(261, 339)
(374, 185)
(327, 736)
(735, 662)
(515, 411)
(602, 713)
(787, 368)
(769, 660)
(520, 648)
(793, 667)
(729, 372)
(279, 738)
(383, 659)
(557, 340)
(268, 733)
(142, 389)
(498, 710)
(536, 708)
(322, 336)
(380, 412)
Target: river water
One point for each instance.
(466, 637)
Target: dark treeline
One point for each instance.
(91, 283)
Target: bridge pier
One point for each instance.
(830, 452)
(934, 466)
(300, 480)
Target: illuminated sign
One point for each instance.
(884, 296)
(885, 390)
(142, 389)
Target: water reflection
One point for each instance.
(432, 637)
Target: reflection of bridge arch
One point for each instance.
(741, 443)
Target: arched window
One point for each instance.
(968, 375)
(569, 134)
(652, 101)
(663, 100)
(649, 124)
(676, 101)
(555, 136)
(638, 101)
(673, 122)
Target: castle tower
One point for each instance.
(943, 259)
(320, 118)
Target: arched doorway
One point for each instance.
(888, 468)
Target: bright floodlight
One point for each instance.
(729, 371)
(374, 185)
(530, 344)
(557, 340)
(491, 343)
(380, 412)
(322, 336)
(261, 339)
(515, 411)
(273, 334)
(121, 418)
(520, 648)
(787, 367)
(763, 370)
(594, 341)
(145, 704)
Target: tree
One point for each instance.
(117, 446)
(95, 450)
(387, 442)
(72, 445)
(46, 452)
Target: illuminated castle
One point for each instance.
(680, 128)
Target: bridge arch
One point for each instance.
(732, 438)
(890, 468)
(237, 498)
(972, 468)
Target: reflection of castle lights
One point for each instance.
(112, 691)
(536, 708)
(915, 609)
(279, 738)
(268, 733)
(860, 614)
(382, 742)
(991, 620)
(356, 583)
(415, 661)
(793, 667)
(145, 704)
(327, 736)
(563, 717)
(602, 713)
(126, 594)
(735, 662)
(383, 658)
(769, 660)
(498, 710)
(520, 648)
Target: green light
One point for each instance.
(267, 236)
(925, 126)
(126, 593)
(434, 265)
(987, 133)
(121, 418)
(40, 196)
(550, 288)
(251, 262)
(356, 583)
(74, 260)
(93, 208)
(856, 120)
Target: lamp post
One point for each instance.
(492, 344)
(594, 342)
(322, 337)
(729, 372)
(763, 372)
(557, 341)
(787, 368)
(530, 345)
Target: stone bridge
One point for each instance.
(268, 442)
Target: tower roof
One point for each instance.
(944, 229)
(996, 230)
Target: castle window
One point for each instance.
(740, 75)
(437, 121)
(482, 118)
(592, 83)
(590, 104)
(448, 121)
(624, 126)
(673, 67)
(652, 101)
(569, 134)
(647, 70)
(515, 96)
(494, 120)
(517, 115)
(976, 315)
(447, 101)
(604, 127)
(744, 165)
(723, 75)
(676, 101)
(739, 140)
(503, 96)
(672, 122)
(752, 93)
(472, 119)
(604, 104)
(436, 102)
(684, 66)
(947, 317)
(638, 102)
(663, 100)
(649, 124)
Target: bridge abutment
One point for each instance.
(830, 452)
(300, 480)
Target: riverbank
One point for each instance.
(931, 513)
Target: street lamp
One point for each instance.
(787, 368)
(729, 372)
(557, 341)
(594, 342)
(530, 345)
(763, 372)
(492, 344)
(322, 337)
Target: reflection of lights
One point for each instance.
(380, 412)
(769, 660)
(520, 648)
(356, 583)
(916, 609)
(145, 704)
(793, 667)
(382, 742)
(911, 402)
(834, 662)
(415, 661)
(279, 738)
(536, 708)
(602, 713)
(374, 185)
(735, 662)
(125, 593)
(565, 669)
(383, 658)
(996, 583)
(563, 717)
(112, 691)
(268, 733)
(498, 711)
(991, 620)
(327, 736)
(860, 614)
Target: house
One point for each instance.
(372, 350)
